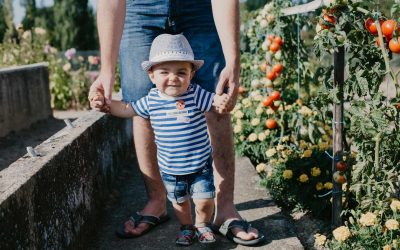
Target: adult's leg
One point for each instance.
(134, 49)
(220, 130)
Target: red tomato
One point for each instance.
(388, 27)
(371, 26)
(341, 166)
(276, 95)
(271, 124)
(274, 47)
(268, 101)
(339, 177)
(394, 46)
(278, 40)
(278, 68)
(270, 38)
(327, 18)
(271, 75)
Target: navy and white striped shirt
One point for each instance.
(180, 128)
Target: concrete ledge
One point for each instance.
(45, 202)
(24, 96)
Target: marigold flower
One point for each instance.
(303, 178)
(241, 138)
(261, 136)
(328, 185)
(280, 147)
(259, 111)
(267, 132)
(255, 121)
(323, 146)
(368, 219)
(315, 171)
(270, 152)
(253, 137)
(319, 186)
(341, 233)
(320, 239)
(392, 224)
(395, 205)
(287, 174)
(237, 129)
(39, 31)
(261, 167)
(239, 114)
(307, 153)
(386, 247)
(285, 139)
(270, 111)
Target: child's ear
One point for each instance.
(192, 74)
(151, 75)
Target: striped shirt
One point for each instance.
(180, 128)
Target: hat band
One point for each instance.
(172, 57)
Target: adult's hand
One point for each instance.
(229, 78)
(103, 84)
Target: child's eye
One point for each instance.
(164, 72)
(182, 73)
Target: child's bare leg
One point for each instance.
(183, 212)
(204, 210)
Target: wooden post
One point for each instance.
(338, 82)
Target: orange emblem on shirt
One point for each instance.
(180, 104)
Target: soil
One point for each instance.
(13, 146)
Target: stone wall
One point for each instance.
(47, 202)
(24, 97)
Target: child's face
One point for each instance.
(172, 78)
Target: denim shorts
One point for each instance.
(145, 20)
(199, 185)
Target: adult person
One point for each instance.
(130, 26)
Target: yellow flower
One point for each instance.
(255, 121)
(303, 178)
(395, 205)
(261, 168)
(237, 129)
(261, 136)
(239, 114)
(323, 146)
(319, 186)
(267, 132)
(259, 111)
(392, 224)
(315, 171)
(368, 219)
(303, 144)
(328, 185)
(341, 233)
(270, 111)
(270, 152)
(280, 147)
(394, 243)
(241, 138)
(307, 153)
(326, 138)
(320, 239)
(287, 174)
(387, 247)
(285, 138)
(253, 137)
(305, 111)
(39, 31)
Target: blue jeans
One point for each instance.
(147, 19)
(199, 185)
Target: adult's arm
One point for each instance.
(110, 24)
(226, 17)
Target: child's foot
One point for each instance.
(205, 234)
(186, 236)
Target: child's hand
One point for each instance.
(97, 101)
(221, 102)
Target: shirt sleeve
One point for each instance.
(141, 107)
(202, 98)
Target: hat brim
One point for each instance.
(146, 65)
